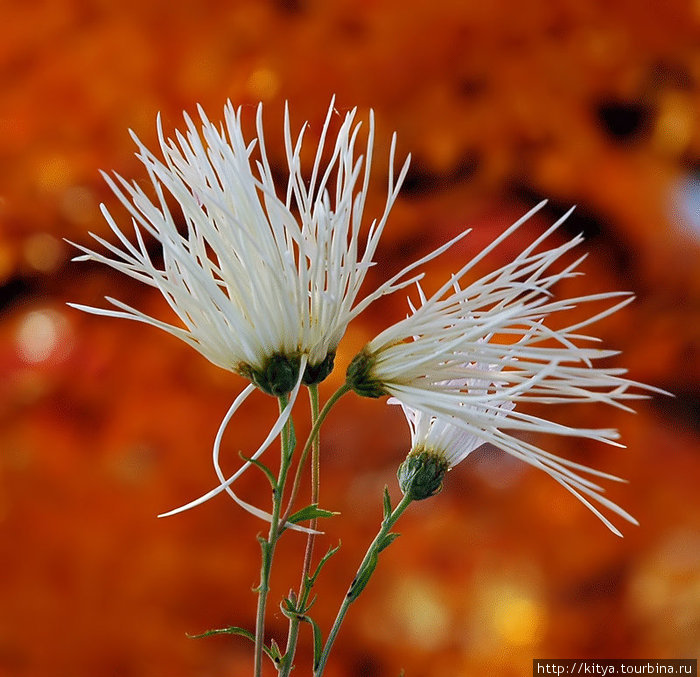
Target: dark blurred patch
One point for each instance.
(601, 584)
(14, 291)
(367, 666)
(292, 6)
(665, 74)
(599, 235)
(624, 120)
(472, 87)
(352, 27)
(684, 406)
(420, 180)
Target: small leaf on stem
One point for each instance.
(387, 502)
(261, 466)
(310, 512)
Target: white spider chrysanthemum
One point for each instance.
(263, 284)
(464, 359)
(252, 276)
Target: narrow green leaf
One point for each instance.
(362, 578)
(318, 640)
(310, 580)
(292, 440)
(261, 466)
(310, 604)
(274, 652)
(310, 512)
(387, 541)
(242, 632)
(387, 502)
(231, 630)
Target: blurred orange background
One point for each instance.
(104, 423)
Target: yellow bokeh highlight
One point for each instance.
(518, 619)
(263, 84)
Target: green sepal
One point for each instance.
(387, 502)
(277, 376)
(261, 466)
(315, 373)
(275, 656)
(359, 376)
(310, 512)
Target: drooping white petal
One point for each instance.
(225, 483)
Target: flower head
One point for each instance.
(464, 360)
(263, 281)
(257, 277)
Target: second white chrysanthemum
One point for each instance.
(465, 359)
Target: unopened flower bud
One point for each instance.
(422, 473)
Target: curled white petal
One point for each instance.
(225, 483)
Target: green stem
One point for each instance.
(268, 546)
(315, 485)
(312, 443)
(364, 572)
(304, 588)
(310, 440)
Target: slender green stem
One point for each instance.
(313, 443)
(268, 546)
(304, 588)
(364, 572)
(315, 485)
(305, 451)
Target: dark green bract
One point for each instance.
(315, 373)
(359, 378)
(280, 373)
(421, 474)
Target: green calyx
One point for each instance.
(422, 473)
(359, 376)
(315, 373)
(280, 373)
